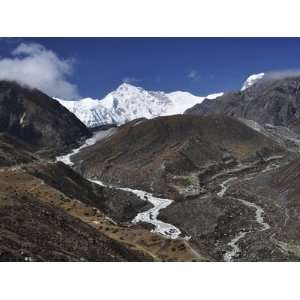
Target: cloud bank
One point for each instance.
(38, 67)
(281, 74)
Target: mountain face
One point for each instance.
(167, 154)
(36, 119)
(234, 189)
(274, 101)
(121, 206)
(128, 103)
(44, 220)
(48, 212)
(14, 152)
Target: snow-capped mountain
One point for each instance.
(252, 80)
(129, 102)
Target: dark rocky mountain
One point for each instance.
(40, 222)
(48, 212)
(172, 155)
(35, 231)
(119, 205)
(37, 119)
(14, 152)
(268, 101)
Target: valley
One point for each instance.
(217, 183)
(150, 216)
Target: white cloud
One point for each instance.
(130, 80)
(282, 74)
(41, 68)
(194, 75)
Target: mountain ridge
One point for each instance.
(271, 100)
(129, 102)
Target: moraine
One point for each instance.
(150, 216)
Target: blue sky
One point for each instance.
(197, 65)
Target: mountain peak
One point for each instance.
(126, 86)
(129, 102)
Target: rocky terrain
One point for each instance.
(33, 230)
(248, 212)
(220, 183)
(36, 225)
(267, 101)
(38, 120)
(172, 155)
(242, 216)
(49, 212)
(233, 179)
(13, 151)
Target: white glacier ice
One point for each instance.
(129, 102)
(252, 80)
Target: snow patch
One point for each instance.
(129, 102)
(66, 159)
(214, 96)
(251, 80)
